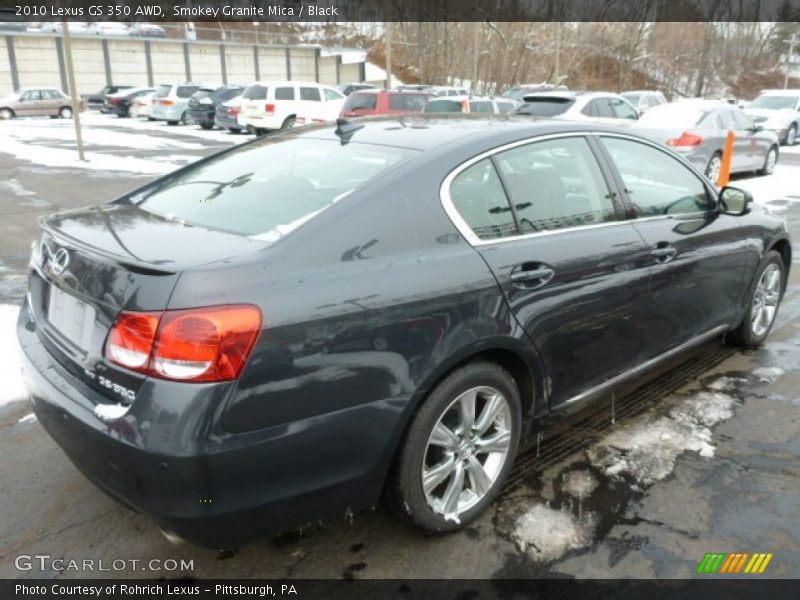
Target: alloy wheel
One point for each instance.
(466, 451)
(769, 164)
(65, 113)
(791, 136)
(713, 169)
(5, 114)
(765, 300)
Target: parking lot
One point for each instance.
(703, 458)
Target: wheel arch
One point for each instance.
(11, 110)
(784, 248)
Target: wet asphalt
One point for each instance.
(565, 511)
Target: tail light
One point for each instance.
(686, 139)
(115, 101)
(196, 345)
(465, 106)
(167, 103)
(269, 108)
(234, 111)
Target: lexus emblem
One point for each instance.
(59, 262)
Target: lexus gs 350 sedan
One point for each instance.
(303, 324)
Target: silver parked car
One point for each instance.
(36, 102)
(697, 130)
(643, 100)
(778, 111)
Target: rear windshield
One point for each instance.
(442, 106)
(255, 92)
(267, 190)
(361, 102)
(224, 94)
(202, 93)
(672, 116)
(186, 91)
(163, 91)
(545, 107)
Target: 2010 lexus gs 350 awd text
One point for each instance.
(320, 318)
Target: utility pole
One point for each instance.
(557, 69)
(791, 41)
(387, 42)
(73, 92)
(476, 30)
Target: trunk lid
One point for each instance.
(90, 264)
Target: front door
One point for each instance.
(696, 254)
(574, 274)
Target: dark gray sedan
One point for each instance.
(304, 324)
(697, 129)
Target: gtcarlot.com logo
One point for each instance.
(721, 563)
(46, 562)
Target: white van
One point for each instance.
(271, 105)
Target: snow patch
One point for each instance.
(29, 418)
(13, 387)
(579, 484)
(768, 374)
(547, 534)
(647, 449)
(16, 188)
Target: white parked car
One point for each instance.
(644, 99)
(778, 111)
(599, 107)
(108, 28)
(75, 28)
(271, 105)
(140, 106)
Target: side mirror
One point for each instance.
(758, 128)
(733, 201)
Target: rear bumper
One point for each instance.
(227, 123)
(167, 113)
(201, 116)
(213, 489)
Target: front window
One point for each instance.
(442, 106)
(657, 183)
(311, 94)
(267, 190)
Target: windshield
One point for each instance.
(672, 115)
(267, 190)
(545, 107)
(442, 106)
(774, 102)
(361, 102)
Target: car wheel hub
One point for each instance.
(765, 300)
(466, 450)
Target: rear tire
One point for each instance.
(791, 136)
(205, 125)
(185, 118)
(714, 167)
(171, 122)
(6, 114)
(450, 449)
(765, 298)
(65, 112)
(234, 130)
(288, 123)
(770, 161)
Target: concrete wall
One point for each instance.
(38, 60)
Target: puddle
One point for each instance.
(568, 508)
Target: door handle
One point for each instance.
(532, 277)
(663, 253)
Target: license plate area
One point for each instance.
(72, 318)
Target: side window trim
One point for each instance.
(630, 210)
(466, 231)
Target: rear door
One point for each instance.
(572, 270)
(696, 255)
(741, 158)
(757, 145)
(28, 105)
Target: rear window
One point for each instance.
(442, 106)
(409, 102)
(310, 93)
(267, 190)
(255, 92)
(284, 93)
(361, 102)
(202, 93)
(186, 91)
(481, 107)
(545, 107)
(163, 91)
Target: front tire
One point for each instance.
(206, 125)
(791, 136)
(459, 449)
(769, 161)
(714, 167)
(65, 112)
(765, 299)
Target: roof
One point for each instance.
(429, 132)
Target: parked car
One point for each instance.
(778, 111)
(146, 30)
(349, 88)
(120, 104)
(469, 104)
(447, 90)
(37, 102)
(171, 102)
(227, 113)
(204, 102)
(642, 100)
(271, 105)
(13, 26)
(697, 130)
(600, 107)
(297, 327)
(108, 28)
(75, 27)
(517, 93)
(97, 100)
(140, 106)
(412, 87)
(382, 102)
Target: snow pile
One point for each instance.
(12, 387)
(16, 188)
(647, 449)
(579, 484)
(767, 374)
(547, 534)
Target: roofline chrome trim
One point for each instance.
(645, 366)
(466, 231)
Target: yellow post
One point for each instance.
(725, 170)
